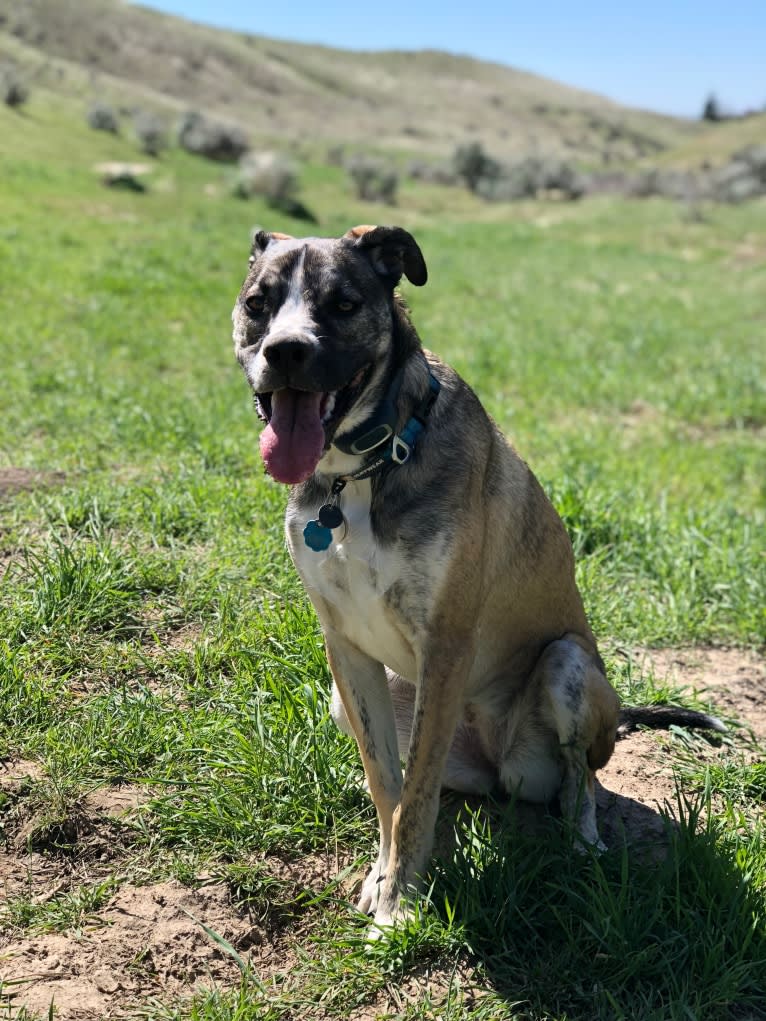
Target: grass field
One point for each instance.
(154, 639)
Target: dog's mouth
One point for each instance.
(300, 425)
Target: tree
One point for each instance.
(711, 111)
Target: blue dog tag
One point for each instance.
(316, 536)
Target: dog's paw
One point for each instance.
(584, 845)
(370, 893)
(388, 916)
(378, 931)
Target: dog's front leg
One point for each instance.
(438, 708)
(361, 683)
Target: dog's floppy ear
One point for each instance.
(262, 240)
(392, 252)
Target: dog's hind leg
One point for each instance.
(582, 707)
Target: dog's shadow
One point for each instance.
(622, 821)
(527, 896)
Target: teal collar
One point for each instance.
(318, 533)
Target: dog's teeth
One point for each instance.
(329, 404)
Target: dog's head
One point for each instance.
(313, 330)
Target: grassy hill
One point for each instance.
(423, 102)
(183, 828)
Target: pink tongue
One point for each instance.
(293, 441)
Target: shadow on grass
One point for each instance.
(665, 925)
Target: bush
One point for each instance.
(431, 173)
(212, 139)
(13, 90)
(336, 156)
(473, 166)
(151, 132)
(271, 175)
(102, 117)
(373, 180)
(530, 178)
(737, 181)
(755, 158)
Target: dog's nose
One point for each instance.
(286, 353)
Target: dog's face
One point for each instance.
(312, 330)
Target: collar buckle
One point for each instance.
(371, 439)
(401, 451)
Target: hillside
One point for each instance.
(424, 102)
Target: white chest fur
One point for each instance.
(353, 576)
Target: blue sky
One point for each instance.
(660, 56)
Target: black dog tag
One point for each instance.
(330, 515)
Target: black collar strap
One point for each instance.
(379, 427)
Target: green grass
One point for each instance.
(152, 630)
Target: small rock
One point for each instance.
(105, 982)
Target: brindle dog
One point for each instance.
(441, 573)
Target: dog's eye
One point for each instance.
(255, 304)
(345, 307)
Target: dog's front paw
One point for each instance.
(391, 912)
(370, 894)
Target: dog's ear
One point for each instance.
(392, 252)
(262, 240)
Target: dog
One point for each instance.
(441, 574)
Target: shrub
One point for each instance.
(373, 180)
(531, 177)
(151, 132)
(473, 165)
(431, 173)
(336, 156)
(102, 117)
(13, 89)
(737, 181)
(274, 177)
(212, 139)
(271, 175)
(755, 158)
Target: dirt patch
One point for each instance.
(734, 679)
(749, 252)
(149, 941)
(116, 802)
(49, 853)
(632, 788)
(28, 875)
(638, 780)
(17, 772)
(13, 480)
(162, 636)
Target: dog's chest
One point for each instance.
(366, 591)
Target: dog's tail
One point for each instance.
(661, 717)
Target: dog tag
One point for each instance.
(316, 536)
(330, 515)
